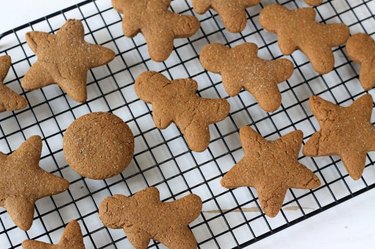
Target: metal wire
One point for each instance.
(230, 218)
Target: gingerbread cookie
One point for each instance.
(158, 25)
(176, 101)
(23, 182)
(233, 13)
(98, 145)
(71, 239)
(344, 131)
(297, 29)
(9, 100)
(271, 167)
(144, 217)
(314, 2)
(64, 58)
(361, 48)
(241, 67)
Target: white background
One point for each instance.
(349, 225)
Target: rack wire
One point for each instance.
(230, 218)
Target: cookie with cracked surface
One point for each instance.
(344, 131)
(361, 49)
(23, 182)
(159, 25)
(9, 100)
(71, 238)
(297, 29)
(271, 167)
(64, 58)
(233, 13)
(144, 217)
(240, 67)
(98, 145)
(177, 101)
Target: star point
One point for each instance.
(9, 100)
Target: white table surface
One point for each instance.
(349, 225)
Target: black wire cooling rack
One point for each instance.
(229, 218)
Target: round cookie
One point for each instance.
(98, 145)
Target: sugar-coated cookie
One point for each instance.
(98, 145)
(271, 167)
(159, 25)
(240, 67)
(64, 58)
(144, 217)
(344, 131)
(177, 101)
(297, 29)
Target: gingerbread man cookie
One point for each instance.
(71, 239)
(23, 182)
(233, 13)
(176, 101)
(158, 25)
(297, 29)
(144, 217)
(9, 100)
(64, 58)
(271, 167)
(361, 48)
(344, 131)
(241, 67)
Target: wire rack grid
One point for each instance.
(230, 218)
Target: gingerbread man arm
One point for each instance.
(211, 57)
(201, 6)
(184, 26)
(188, 208)
(361, 48)
(305, 13)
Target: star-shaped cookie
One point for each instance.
(9, 100)
(64, 58)
(144, 217)
(71, 239)
(271, 167)
(23, 182)
(344, 131)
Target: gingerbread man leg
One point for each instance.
(181, 238)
